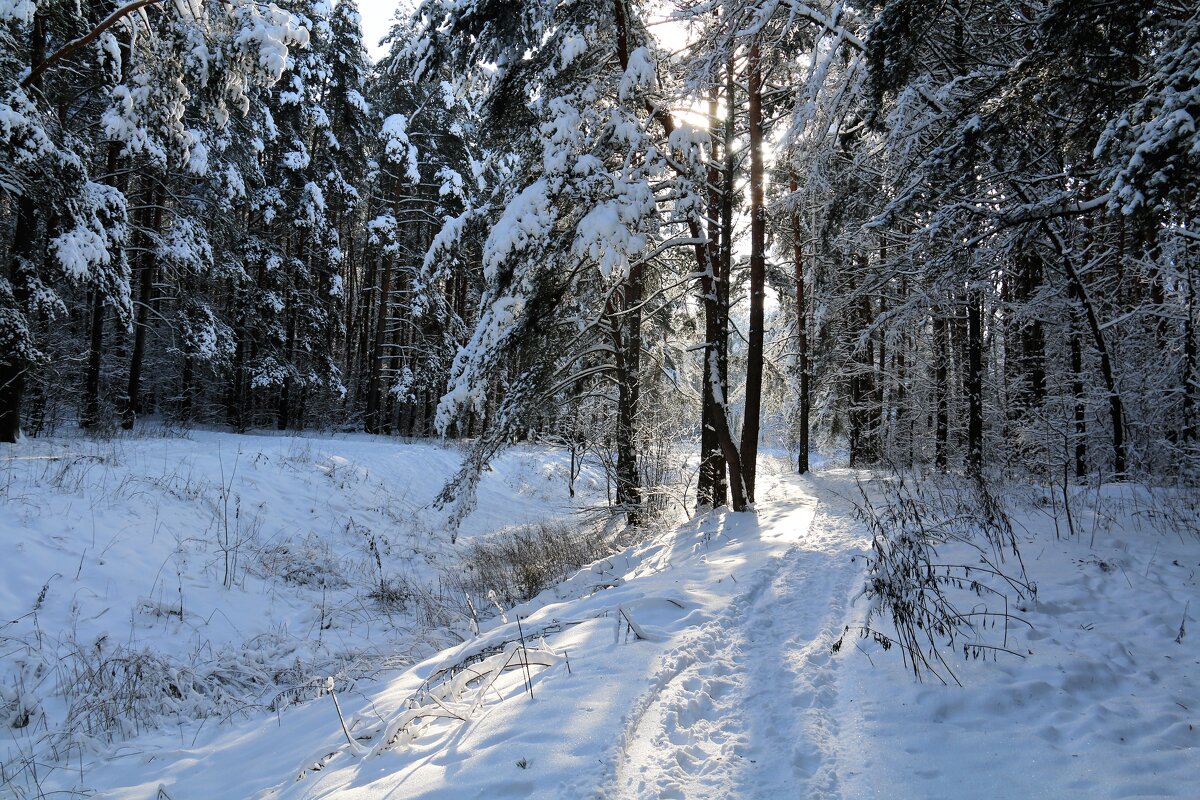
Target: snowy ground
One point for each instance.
(180, 581)
(698, 664)
(1106, 702)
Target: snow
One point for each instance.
(527, 220)
(696, 663)
(267, 34)
(446, 237)
(465, 390)
(186, 244)
(198, 154)
(689, 141)
(452, 183)
(604, 233)
(297, 159)
(1102, 706)
(17, 10)
(561, 135)
(572, 47)
(640, 75)
(130, 538)
(99, 230)
(398, 148)
(358, 102)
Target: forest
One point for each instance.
(932, 232)
(666, 361)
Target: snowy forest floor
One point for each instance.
(694, 664)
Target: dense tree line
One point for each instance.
(938, 233)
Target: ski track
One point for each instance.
(744, 706)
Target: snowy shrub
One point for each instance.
(65, 474)
(18, 705)
(116, 692)
(429, 606)
(309, 562)
(516, 566)
(916, 597)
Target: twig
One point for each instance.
(355, 747)
(525, 659)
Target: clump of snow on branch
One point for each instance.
(268, 33)
(572, 48)
(608, 233)
(17, 10)
(98, 231)
(640, 74)
(527, 220)
(397, 147)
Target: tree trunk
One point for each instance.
(629, 350)
(374, 420)
(1080, 447)
(1079, 294)
(12, 363)
(801, 335)
(879, 397)
(723, 272)
(283, 414)
(1190, 359)
(147, 277)
(861, 414)
(1115, 406)
(236, 410)
(903, 436)
(663, 117)
(711, 491)
(975, 383)
(941, 384)
(758, 272)
(363, 364)
(22, 268)
(91, 388)
(712, 462)
(1032, 357)
(91, 394)
(187, 381)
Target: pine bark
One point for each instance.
(1190, 376)
(1077, 394)
(12, 365)
(629, 349)
(758, 272)
(975, 383)
(801, 335)
(22, 268)
(710, 488)
(90, 416)
(941, 388)
(374, 417)
(147, 276)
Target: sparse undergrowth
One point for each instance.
(517, 565)
(927, 605)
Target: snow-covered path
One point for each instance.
(727, 694)
(697, 664)
(742, 707)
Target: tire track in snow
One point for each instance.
(744, 706)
